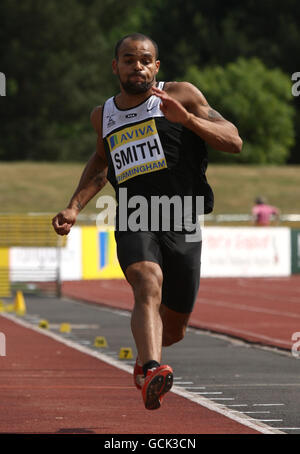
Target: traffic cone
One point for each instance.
(20, 306)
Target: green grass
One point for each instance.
(47, 187)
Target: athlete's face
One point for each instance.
(136, 66)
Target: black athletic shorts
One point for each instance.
(179, 260)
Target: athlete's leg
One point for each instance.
(181, 271)
(146, 280)
(174, 325)
(140, 259)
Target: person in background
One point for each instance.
(263, 213)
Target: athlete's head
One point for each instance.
(136, 63)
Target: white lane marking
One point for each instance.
(266, 405)
(184, 382)
(238, 341)
(201, 400)
(269, 420)
(287, 428)
(252, 412)
(244, 307)
(263, 296)
(237, 405)
(197, 392)
(195, 387)
(255, 335)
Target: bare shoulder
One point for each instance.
(186, 93)
(96, 118)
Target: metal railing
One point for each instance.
(32, 230)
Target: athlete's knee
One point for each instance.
(145, 278)
(172, 336)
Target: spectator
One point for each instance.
(263, 213)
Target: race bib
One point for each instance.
(136, 150)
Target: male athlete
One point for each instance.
(151, 143)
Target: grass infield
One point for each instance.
(47, 187)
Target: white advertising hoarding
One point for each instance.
(40, 263)
(246, 252)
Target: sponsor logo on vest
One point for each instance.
(135, 150)
(111, 122)
(131, 115)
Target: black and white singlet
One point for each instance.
(150, 156)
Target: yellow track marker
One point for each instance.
(65, 328)
(100, 342)
(44, 324)
(125, 353)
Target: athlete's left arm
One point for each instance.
(182, 102)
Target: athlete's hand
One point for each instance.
(171, 108)
(64, 220)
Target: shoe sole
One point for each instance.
(156, 389)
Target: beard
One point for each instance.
(135, 88)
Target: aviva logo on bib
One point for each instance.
(136, 150)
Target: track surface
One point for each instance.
(262, 310)
(50, 387)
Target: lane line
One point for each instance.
(197, 392)
(233, 331)
(249, 295)
(252, 412)
(195, 387)
(244, 307)
(269, 420)
(245, 420)
(265, 405)
(237, 405)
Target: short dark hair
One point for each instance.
(136, 37)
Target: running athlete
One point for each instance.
(151, 143)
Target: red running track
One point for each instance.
(260, 310)
(48, 387)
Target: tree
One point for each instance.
(57, 60)
(202, 34)
(258, 101)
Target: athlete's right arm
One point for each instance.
(92, 180)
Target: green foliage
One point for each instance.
(57, 60)
(56, 56)
(257, 100)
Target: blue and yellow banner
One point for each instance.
(99, 254)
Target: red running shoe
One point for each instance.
(157, 383)
(138, 374)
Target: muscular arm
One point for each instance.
(92, 180)
(184, 103)
(93, 177)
